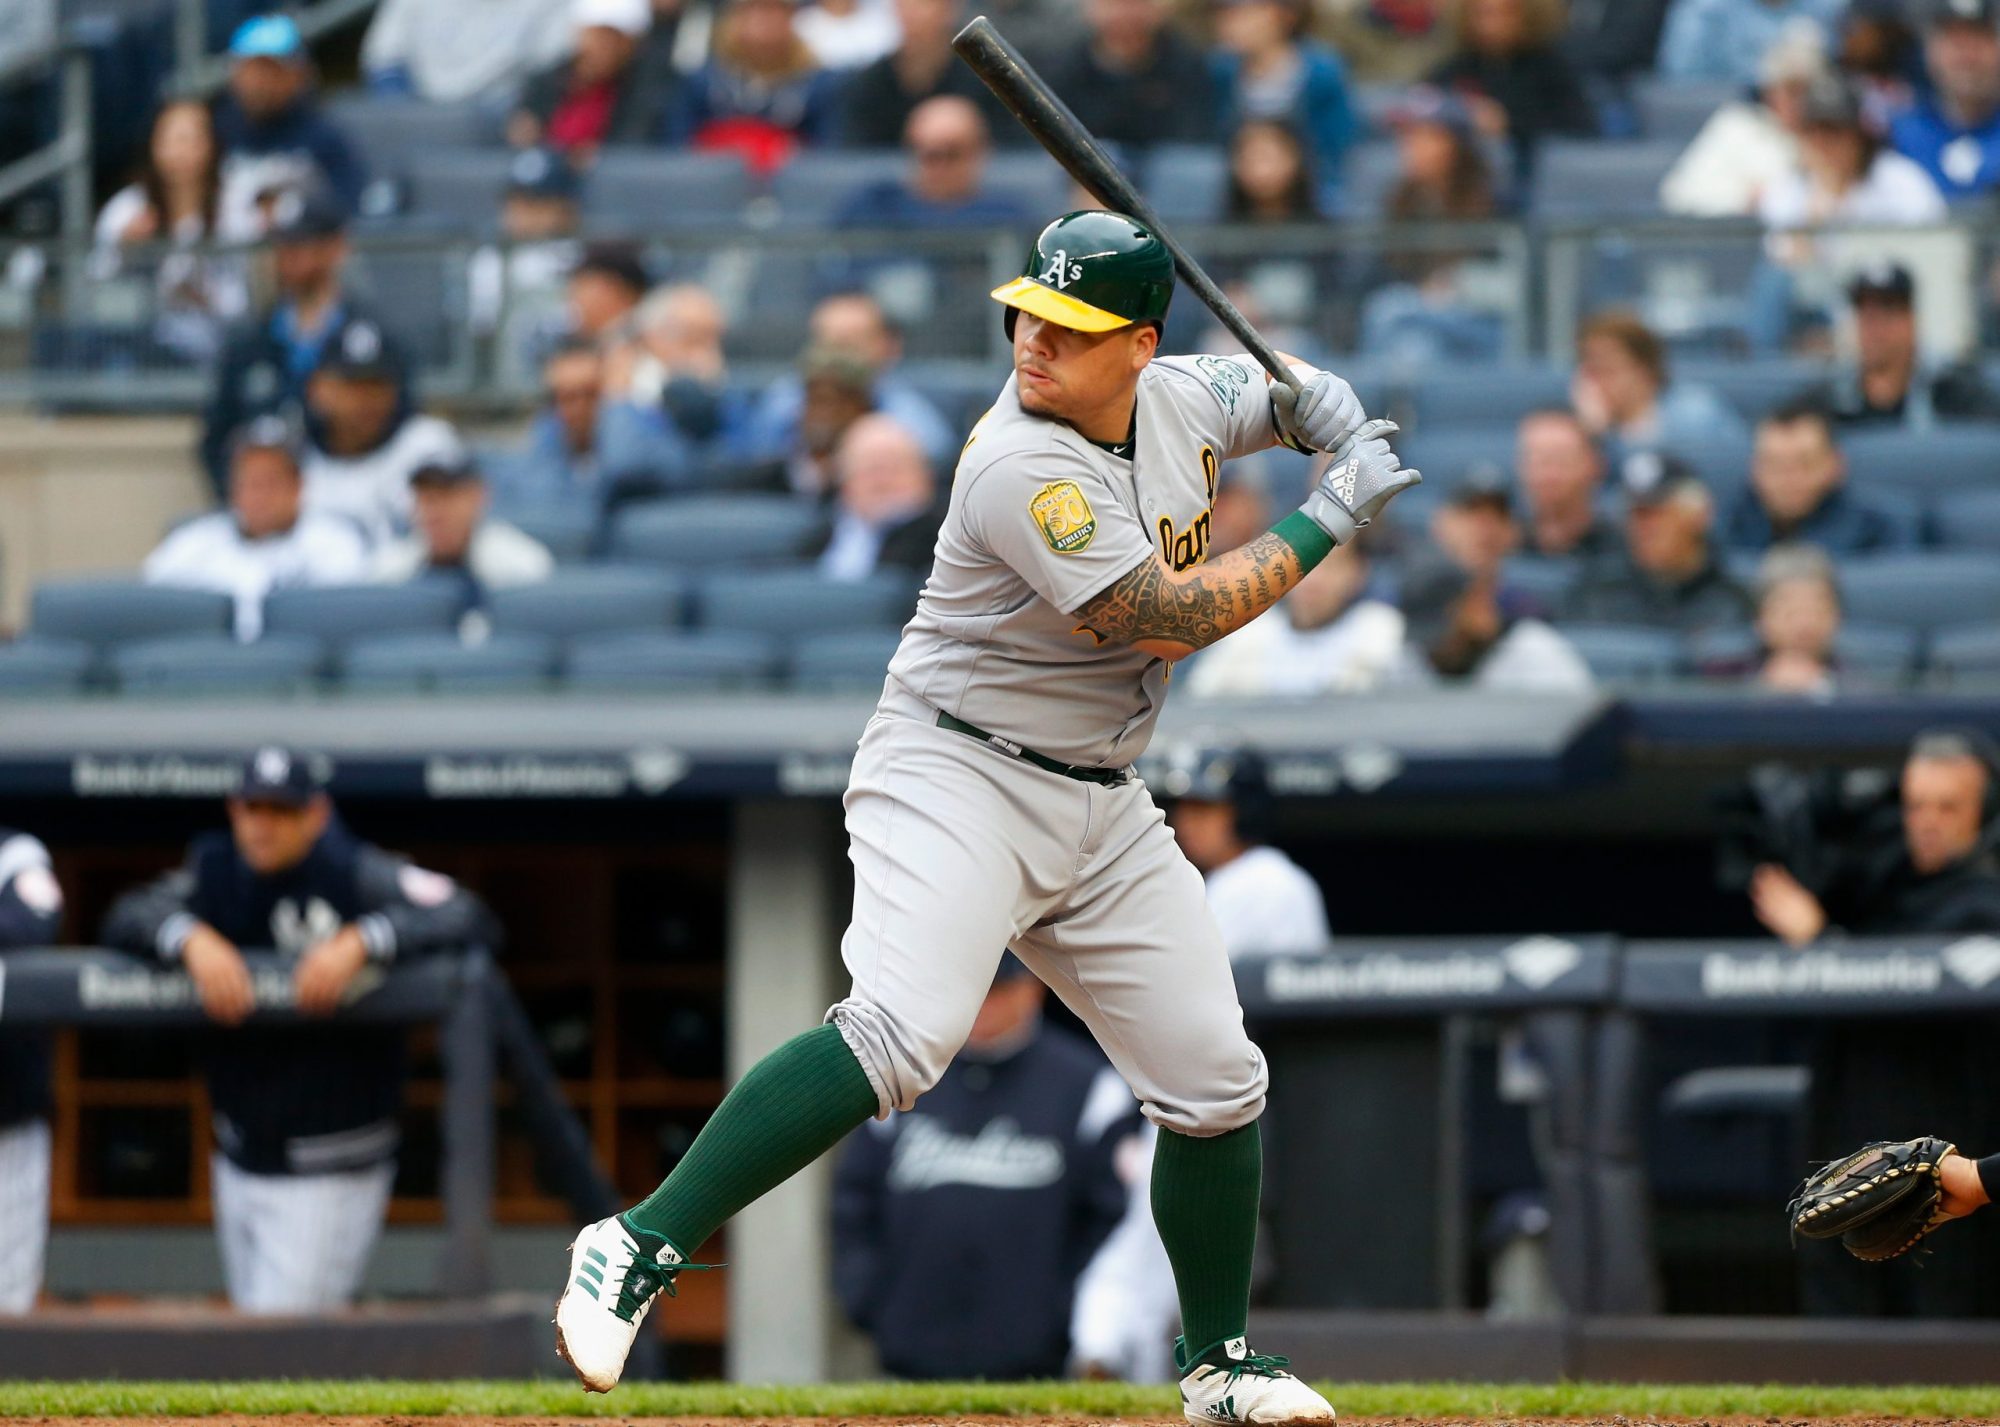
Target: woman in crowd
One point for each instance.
(1265, 70)
(171, 209)
(763, 94)
(1513, 77)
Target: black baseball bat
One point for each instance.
(1058, 130)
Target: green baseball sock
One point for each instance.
(1205, 1197)
(796, 1103)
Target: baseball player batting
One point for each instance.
(993, 804)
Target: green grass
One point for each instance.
(1095, 1400)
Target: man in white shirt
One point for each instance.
(454, 537)
(1457, 634)
(366, 441)
(1327, 636)
(264, 541)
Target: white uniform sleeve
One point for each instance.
(1241, 393)
(188, 556)
(1056, 525)
(1125, 1307)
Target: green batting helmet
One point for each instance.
(1094, 272)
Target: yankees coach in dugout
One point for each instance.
(305, 1116)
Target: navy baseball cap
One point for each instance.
(1426, 592)
(1484, 484)
(303, 214)
(1654, 478)
(452, 471)
(361, 351)
(1884, 280)
(275, 774)
(1961, 12)
(267, 37)
(541, 173)
(271, 432)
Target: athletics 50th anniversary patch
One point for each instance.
(1065, 517)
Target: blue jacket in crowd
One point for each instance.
(298, 129)
(1843, 524)
(1321, 110)
(1963, 162)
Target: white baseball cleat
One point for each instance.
(1251, 1389)
(612, 1285)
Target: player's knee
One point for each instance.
(1228, 1095)
(901, 1060)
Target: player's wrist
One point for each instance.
(1324, 515)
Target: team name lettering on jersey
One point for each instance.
(1182, 549)
(1065, 517)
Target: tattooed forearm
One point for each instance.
(1176, 614)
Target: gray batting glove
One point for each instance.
(1358, 483)
(1322, 414)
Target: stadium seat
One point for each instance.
(44, 668)
(460, 186)
(1968, 520)
(1626, 654)
(392, 132)
(275, 667)
(1486, 397)
(1753, 387)
(1879, 651)
(961, 393)
(810, 194)
(654, 663)
(694, 531)
(786, 603)
(440, 664)
(589, 601)
(640, 189)
(855, 660)
(1446, 457)
(1031, 178)
(1590, 179)
(1922, 591)
(1966, 654)
(1370, 171)
(1187, 183)
(1538, 582)
(1673, 110)
(1956, 457)
(343, 612)
(106, 611)
(1720, 651)
(567, 531)
(422, 299)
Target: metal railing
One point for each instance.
(201, 74)
(66, 157)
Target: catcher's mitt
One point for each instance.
(1880, 1201)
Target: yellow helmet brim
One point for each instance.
(1028, 295)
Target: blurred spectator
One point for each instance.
(516, 292)
(1270, 175)
(854, 323)
(1474, 526)
(265, 361)
(605, 289)
(1219, 805)
(1242, 507)
(886, 512)
(451, 50)
(837, 389)
(305, 1115)
(454, 537)
(674, 372)
(562, 464)
(1954, 130)
(1888, 382)
(1327, 636)
(1614, 39)
(1265, 69)
(365, 436)
(1456, 633)
(1845, 175)
(1006, 1172)
(1878, 50)
(1725, 40)
(175, 202)
(1746, 146)
(1391, 42)
(1136, 81)
(1798, 493)
(269, 125)
(266, 540)
(947, 143)
(1514, 79)
(598, 95)
(31, 907)
(876, 102)
(1427, 314)
(847, 34)
(1624, 395)
(1561, 469)
(1669, 576)
(1798, 618)
(763, 93)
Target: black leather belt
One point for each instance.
(1103, 777)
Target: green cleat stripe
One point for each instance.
(596, 1274)
(598, 1255)
(586, 1285)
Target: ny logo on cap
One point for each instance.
(274, 765)
(1061, 272)
(361, 342)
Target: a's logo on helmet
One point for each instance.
(1060, 272)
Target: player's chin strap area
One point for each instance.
(1103, 777)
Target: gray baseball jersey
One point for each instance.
(960, 850)
(1041, 521)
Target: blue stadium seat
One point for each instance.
(1968, 520)
(275, 667)
(590, 601)
(462, 187)
(1966, 654)
(1922, 591)
(1626, 654)
(439, 664)
(1720, 650)
(421, 297)
(1370, 171)
(855, 660)
(44, 668)
(1445, 457)
(694, 531)
(1487, 397)
(1536, 581)
(787, 603)
(1187, 183)
(1880, 651)
(391, 132)
(961, 393)
(1031, 178)
(655, 663)
(1752, 387)
(1675, 109)
(105, 611)
(811, 193)
(342, 612)
(640, 189)
(568, 531)
(1588, 178)
(1955, 457)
